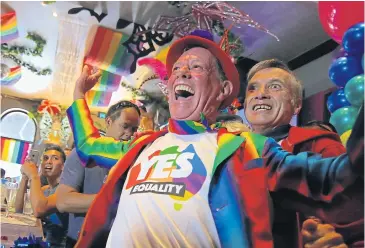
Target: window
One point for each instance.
(17, 133)
(16, 124)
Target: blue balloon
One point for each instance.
(353, 39)
(343, 69)
(337, 100)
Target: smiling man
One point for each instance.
(189, 185)
(43, 199)
(273, 97)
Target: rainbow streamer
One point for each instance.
(9, 29)
(14, 151)
(101, 93)
(13, 76)
(107, 51)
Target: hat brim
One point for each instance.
(178, 47)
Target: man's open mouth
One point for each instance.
(261, 107)
(48, 168)
(183, 91)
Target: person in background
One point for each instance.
(273, 97)
(43, 199)
(2, 173)
(79, 184)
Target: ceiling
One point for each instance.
(296, 24)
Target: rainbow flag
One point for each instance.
(108, 82)
(107, 52)
(98, 98)
(13, 76)
(9, 29)
(14, 151)
(101, 94)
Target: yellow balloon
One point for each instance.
(345, 136)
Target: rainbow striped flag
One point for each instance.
(101, 94)
(107, 52)
(14, 151)
(13, 76)
(9, 29)
(98, 98)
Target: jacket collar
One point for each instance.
(278, 133)
(228, 143)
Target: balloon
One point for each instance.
(354, 90)
(362, 62)
(344, 118)
(345, 136)
(337, 100)
(343, 69)
(353, 39)
(338, 17)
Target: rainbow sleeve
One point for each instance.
(90, 146)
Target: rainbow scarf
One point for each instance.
(14, 151)
(102, 92)
(9, 29)
(107, 51)
(13, 76)
(188, 127)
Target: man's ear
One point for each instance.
(108, 121)
(226, 90)
(297, 108)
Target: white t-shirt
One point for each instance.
(164, 202)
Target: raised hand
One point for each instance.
(86, 81)
(29, 169)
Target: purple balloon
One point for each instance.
(337, 100)
(343, 69)
(339, 53)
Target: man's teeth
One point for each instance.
(185, 88)
(261, 107)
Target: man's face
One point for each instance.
(52, 163)
(194, 86)
(269, 99)
(124, 126)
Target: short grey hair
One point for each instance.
(296, 85)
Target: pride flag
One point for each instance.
(101, 94)
(13, 76)
(14, 151)
(107, 52)
(9, 29)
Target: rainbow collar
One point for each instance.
(189, 127)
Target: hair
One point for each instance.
(221, 73)
(229, 118)
(56, 148)
(326, 126)
(115, 110)
(2, 173)
(296, 85)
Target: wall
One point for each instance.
(314, 75)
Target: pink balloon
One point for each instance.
(337, 17)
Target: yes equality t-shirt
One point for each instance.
(164, 202)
